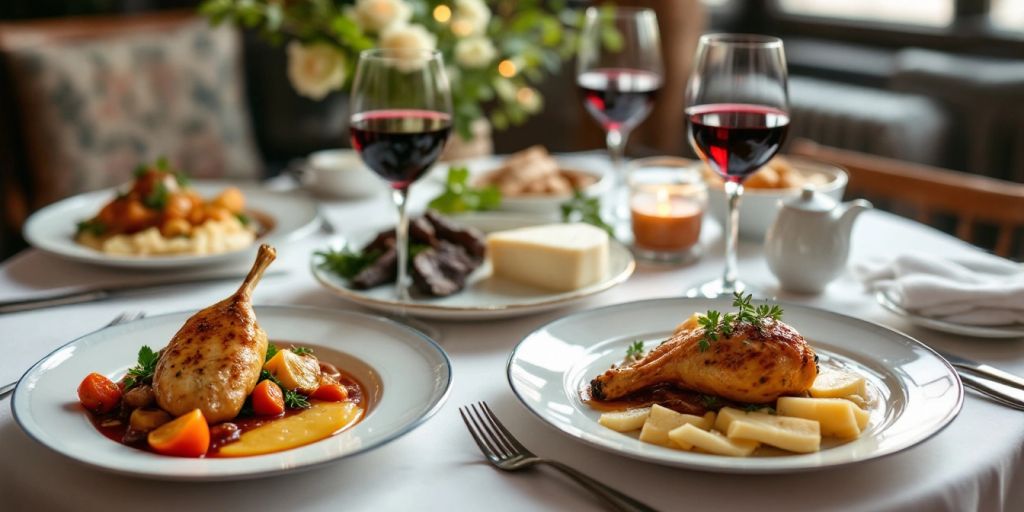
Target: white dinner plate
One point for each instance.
(406, 376)
(977, 331)
(52, 229)
(914, 392)
(484, 296)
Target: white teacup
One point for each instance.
(339, 173)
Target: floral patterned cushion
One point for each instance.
(93, 109)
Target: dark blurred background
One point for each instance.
(938, 82)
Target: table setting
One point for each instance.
(452, 335)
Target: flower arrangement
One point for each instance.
(494, 58)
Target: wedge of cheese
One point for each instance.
(557, 257)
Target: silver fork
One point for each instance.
(126, 316)
(506, 453)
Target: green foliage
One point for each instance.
(346, 262)
(585, 209)
(142, 372)
(460, 197)
(157, 198)
(635, 351)
(716, 324)
(301, 351)
(536, 35)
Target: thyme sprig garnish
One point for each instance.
(717, 324)
(635, 351)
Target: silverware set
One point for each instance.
(980, 377)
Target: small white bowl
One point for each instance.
(339, 173)
(550, 205)
(758, 206)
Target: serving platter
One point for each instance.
(914, 392)
(405, 374)
(484, 297)
(977, 331)
(52, 229)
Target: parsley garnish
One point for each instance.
(460, 197)
(92, 226)
(142, 373)
(710, 401)
(767, 409)
(157, 198)
(585, 209)
(635, 351)
(271, 352)
(244, 219)
(346, 262)
(716, 324)
(301, 351)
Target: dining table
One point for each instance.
(975, 463)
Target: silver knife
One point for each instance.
(984, 387)
(103, 293)
(990, 372)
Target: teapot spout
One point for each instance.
(849, 213)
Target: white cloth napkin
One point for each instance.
(975, 290)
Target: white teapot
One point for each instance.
(808, 244)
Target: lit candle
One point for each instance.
(663, 221)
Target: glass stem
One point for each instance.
(734, 191)
(616, 142)
(402, 244)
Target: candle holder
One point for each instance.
(667, 201)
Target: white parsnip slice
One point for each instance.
(662, 420)
(690, 436)
(625, 421)
(793, 434)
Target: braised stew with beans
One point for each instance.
(295, 389)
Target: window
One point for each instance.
(928, 13)
(1007, 15)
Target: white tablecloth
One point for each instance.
(977, 463)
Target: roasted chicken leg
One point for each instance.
(753, 365)
(214, 360)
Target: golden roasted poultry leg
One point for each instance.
(756, 364)
(214, 360)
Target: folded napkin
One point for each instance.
(972, 290)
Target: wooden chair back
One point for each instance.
(930, 192)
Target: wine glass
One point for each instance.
(401, 118)
(737, 111)
(619, 74)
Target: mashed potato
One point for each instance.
(210, 237)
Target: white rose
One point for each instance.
(405, 40)
(316, 69)
(505, 88)
(378, 15)
(475, 52)
(470, 17)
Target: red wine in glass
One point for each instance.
(400, 145)
(619, 98)
(737, 139)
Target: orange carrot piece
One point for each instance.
(98, 393)
(186, 436)
(267, 399)
(330, 391)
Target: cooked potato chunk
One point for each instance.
(625, 421)
(793, 434)
(689, 436)
(662, 420)
(835, 415)
(297, 373)
(832, 383)
(144, 420)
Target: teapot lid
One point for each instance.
(810, 200)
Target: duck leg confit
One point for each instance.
(755, 364)
(214, 360)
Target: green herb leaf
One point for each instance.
(157, 198)
(301, 351)
(292, 399)
(244, 219)
(346, 262)
(635, 351)
(271, 352)
(142, 372)
(710, 401)
(459, 197)
(716, 324)
(585, 209)
(92, 226)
